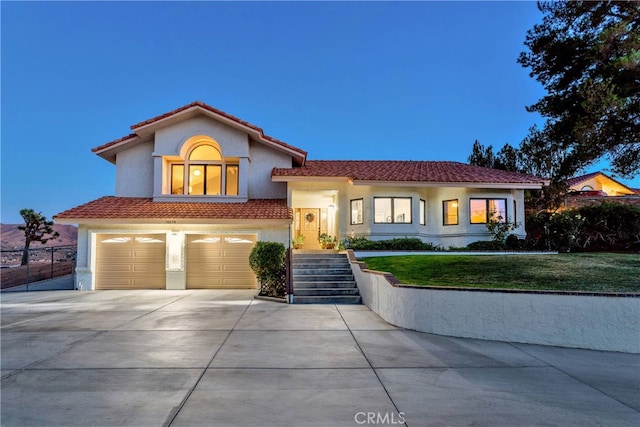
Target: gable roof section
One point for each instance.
(409, 172)
(578, 179)
(147, 127)
(143, 209)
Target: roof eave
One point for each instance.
(164, 221)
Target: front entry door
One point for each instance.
(310, 227)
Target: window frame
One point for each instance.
(422, 220)
(361, 200)
(445, 216)
(393, 208)
(186, 163)
(487, 211)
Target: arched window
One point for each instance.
(587, 188)
(206, 173)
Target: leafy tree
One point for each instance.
(587, 56)
(505, 159)
(36, 227)
(481, 156)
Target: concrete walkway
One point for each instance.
(221, 358)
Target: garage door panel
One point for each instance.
(130, 261)
(219, 261)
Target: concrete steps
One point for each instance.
(323, 278)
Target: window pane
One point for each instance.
(498, 209)
(423, 212)
(450, 212)
(402, 211)
(196, 179)
(356, 212)
(232, 181)
(205, 152)
(382, 209)
(478, 211)
(177, 179)
(214, 180)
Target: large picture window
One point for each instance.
(450, 212)
(357, 214)
(203, 174)
(392, 210)
(482, 210)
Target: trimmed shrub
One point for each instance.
(398, 244)
(486, 245)
(267, 260)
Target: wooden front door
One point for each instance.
(310, 227)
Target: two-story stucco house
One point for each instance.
(197, 187)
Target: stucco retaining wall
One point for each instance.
(581, 320)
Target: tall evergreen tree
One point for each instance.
(586, 54)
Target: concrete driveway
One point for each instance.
(208, 358)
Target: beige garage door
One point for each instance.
(219, 261)
(130, 261)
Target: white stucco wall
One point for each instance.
(590, 322)
(134, 171)
(169, 140)
(262, 161)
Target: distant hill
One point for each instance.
(12, 238)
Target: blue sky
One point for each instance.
(357, 80)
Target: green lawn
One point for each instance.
(594, 272)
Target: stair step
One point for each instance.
(323, 278)
(335, 285)
(321, 271)
(341, 299)
(326, 292)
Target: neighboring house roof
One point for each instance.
(398, 171)
(147, 127)
(571, 182)
(143, 208)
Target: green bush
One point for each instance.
(267, 260)
(609, 227)
(486, 245)
(398, 244)
(599, 227)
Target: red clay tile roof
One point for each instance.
(405, 171)
(207, 107)
(110, 207)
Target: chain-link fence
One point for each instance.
(44, 263)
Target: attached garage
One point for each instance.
(130, 261)
(219, 261)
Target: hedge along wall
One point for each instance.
(581, 320)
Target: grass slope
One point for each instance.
(592, 272)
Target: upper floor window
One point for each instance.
(392, 210)
(205, 172)
(482, 210)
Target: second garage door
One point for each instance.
(220, 261)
